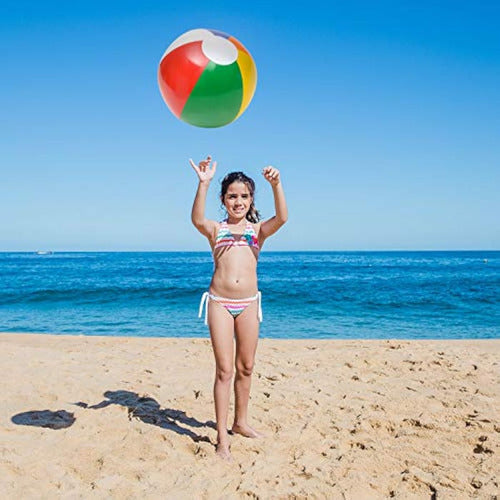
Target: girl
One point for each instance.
(233, 300)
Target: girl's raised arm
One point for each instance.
(205, 173)
(270, 226)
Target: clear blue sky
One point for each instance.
(383, 117)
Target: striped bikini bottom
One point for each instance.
(234, 306)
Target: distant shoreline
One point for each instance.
(52, 252)
(470, 340)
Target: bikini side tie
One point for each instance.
(204, 299)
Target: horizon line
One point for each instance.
(51, 252)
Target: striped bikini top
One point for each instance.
(225, 237)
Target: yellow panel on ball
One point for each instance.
(249, 77)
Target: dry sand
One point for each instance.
(346, 419)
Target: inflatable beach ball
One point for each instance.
(207, 78)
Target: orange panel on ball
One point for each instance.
(238, 44)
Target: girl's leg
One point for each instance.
(247, 335)
(221, 326)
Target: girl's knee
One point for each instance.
(244, 369)
(223, 374)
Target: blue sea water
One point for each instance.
(407, 295)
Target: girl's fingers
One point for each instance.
(204, 166)
(269, 170)
(205, 162)
(271, 174)
(193, 164)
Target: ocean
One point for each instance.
(316, 295)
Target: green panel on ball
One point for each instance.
(216, 98)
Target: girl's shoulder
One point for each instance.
(213, 228)
(258, 225)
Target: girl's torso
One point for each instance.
(235, 250)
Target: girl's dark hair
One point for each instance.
(252, 215)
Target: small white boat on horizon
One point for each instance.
(44, 252)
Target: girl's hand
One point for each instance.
(204, 170)
(272, 175)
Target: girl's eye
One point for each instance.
(245, 196)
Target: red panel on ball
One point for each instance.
(178, 73)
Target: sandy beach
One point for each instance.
(118, 417)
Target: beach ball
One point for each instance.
(207, 78)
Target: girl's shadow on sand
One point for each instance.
(144, 408)
(148, 410)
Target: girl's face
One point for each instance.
(237, 200)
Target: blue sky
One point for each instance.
(383, 117)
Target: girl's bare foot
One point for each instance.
(246, 430)
(223, 450)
